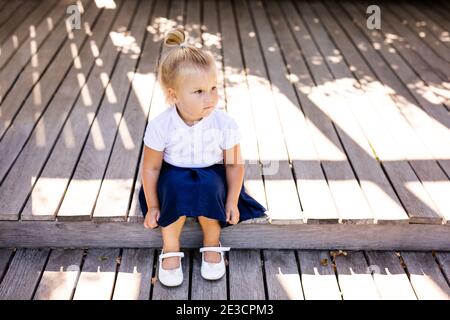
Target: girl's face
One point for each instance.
(196, 93)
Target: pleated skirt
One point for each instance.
(194, 192)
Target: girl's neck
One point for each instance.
(190, 122)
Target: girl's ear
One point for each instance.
(172, 95)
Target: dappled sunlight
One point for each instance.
(433, 289)
(124, 132)
(96, 132)
(105, 4)
(290, 283)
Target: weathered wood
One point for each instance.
(44, 199)
(10, 6)
(417, 202)
(23, 274)
(282, 276)
(425, 276)
(16, 19)
(432, 43)
(60, 276)
(98, 274)
(25, 91)
(314, 193)
(202, 289)
(354, 277)
(26, 29)
(348, 195)
(82, 191)
(158, 105)
(365, 154)
(114, 195)
(134, 275)
(5, 257)
(264, 236)
(161, 292)
(443, 259)
(21, 58)
(436, 22)
(318, 278)
(389, 276)
(245, 275)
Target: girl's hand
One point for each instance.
(151, 219)
(232, 213)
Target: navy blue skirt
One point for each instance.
(197, 192)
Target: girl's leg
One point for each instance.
(171, 242)
(211, 237)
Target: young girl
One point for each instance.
(192, 162)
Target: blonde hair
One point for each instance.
(182, 56)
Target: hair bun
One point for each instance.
(175, 37)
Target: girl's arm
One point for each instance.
(150, 173)
(235, 176)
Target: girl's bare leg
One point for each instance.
(171, 242)
(211, 237)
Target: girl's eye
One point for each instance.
(199, 91)
(214, 88)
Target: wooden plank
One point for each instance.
(98, 274)
(157, 105)
(417, 44)
(135, 274)
(413, 194)
(21, 76)
(282, 275)
(47, 192)
(202, 289)
(389, 276)
(236, 93)
(436, 22)
(5, 258)
(16, 19)
(10, 6)
(245, 275)
(354, 277)
(431, 128)
(82, 191)
(276, 169)
(116, 187)
(310, 179)
(349, 198)
(161, 292)
(29, 49)
(443, 258)
(428, 38)
(16, 186)
(383, 148)
(260, 236)
(318, 277)
(426, 19)
(18, 133)
(23, 274)
(425, 276)
(60, 276)
(27, 29)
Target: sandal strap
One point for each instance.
(215, 249)
(171, 254)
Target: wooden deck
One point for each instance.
(346, 130)
(122, 274)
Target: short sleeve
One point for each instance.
(154, 137)
(231, 134)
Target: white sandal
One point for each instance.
(211, 270)
(170, 277)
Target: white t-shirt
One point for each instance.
(197, 146)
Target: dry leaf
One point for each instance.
(226, 262)
(154, 280)
(118, 259)
(324, 262)
(102, 258)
